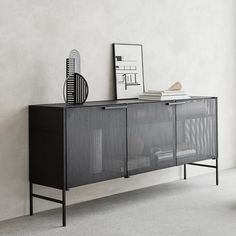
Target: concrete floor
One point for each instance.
(192, 207)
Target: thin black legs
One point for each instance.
(63, 207)
(203, 165)
(185, 172)
(63, 201)
(31, 198)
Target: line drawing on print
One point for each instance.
(128, 70)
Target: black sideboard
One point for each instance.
(74, 145)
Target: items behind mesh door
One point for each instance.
(166, 153)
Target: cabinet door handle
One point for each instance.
(174, 103)
(114, 107)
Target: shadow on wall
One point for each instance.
(14, 159)
(111, 75)
(39, 85)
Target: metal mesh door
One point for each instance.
(96, 145)
(196, 130)
(150, 137)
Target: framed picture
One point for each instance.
(128, 70)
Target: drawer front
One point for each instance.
(196, 131)
(150, 137)
(96, 144)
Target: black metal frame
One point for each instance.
(63, 187)
(63, 202)
(204, 165)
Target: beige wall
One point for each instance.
(193, 41)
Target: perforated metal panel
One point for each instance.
(150, 137)
(96, 145)
(196, 130)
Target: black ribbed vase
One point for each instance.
(76, 89)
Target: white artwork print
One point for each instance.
(128, 70)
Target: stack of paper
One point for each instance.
(164, 95)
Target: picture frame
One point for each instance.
(128, 70)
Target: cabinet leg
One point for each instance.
(31, 198)
(126, 176)
(63, 207)
(185, 172)
(217, 172)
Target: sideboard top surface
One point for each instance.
(116, 102)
